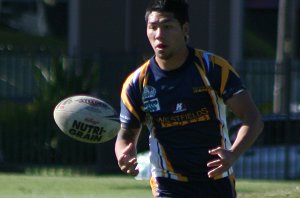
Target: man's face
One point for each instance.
(166, 35)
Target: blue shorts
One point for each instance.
(169, 188)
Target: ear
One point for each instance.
(186, 29)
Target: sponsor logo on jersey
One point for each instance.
(151, 105)
(201, 89)
(148, 92)
(184, 119)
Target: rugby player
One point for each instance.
(181, 95)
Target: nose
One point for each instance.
(159, 33)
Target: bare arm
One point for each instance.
(125, 150)
(243, 107)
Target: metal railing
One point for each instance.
(30, 138)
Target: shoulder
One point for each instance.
(136, 77)
(211, 60)
(211, 57)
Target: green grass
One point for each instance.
(275, 189)
(20, 186)
(24, 186)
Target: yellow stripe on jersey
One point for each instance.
(154, 187)
(199, 54)
(222, 62)
(143, 79)
(125, 98)
(225, 69)
(219, 109)
(207, 84)
(168, 163)
(213, 97)
(224, 78)
(170, 168)
(142, 72)
(232, 180)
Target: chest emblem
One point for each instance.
(148, 92)
(151, 105)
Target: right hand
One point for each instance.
(127, 161)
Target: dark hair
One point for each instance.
(179, 8)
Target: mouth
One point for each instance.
(161, 46)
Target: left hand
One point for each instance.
(221, 164)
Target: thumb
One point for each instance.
(128, 149)
(215, 151)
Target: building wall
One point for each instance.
(113, 25)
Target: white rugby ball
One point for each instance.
(87, 119)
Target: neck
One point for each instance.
(173, 62)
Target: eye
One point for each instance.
(152, 26)
(168, 26)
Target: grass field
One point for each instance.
(24, 186)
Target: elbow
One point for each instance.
(259, 125)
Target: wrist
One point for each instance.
(235, 154)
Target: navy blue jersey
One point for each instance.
(184, 111)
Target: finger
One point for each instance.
(133, 172)
(122, 159)
(133, 161)
(216, 171)
(125, 153)
(125, 163)
(215, 151)
(129, 164)
(133, 169)
(214, 163)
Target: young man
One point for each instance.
(180, 94)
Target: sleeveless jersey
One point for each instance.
(184, 111)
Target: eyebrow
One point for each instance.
(168, 20)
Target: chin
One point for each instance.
(163, 56)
